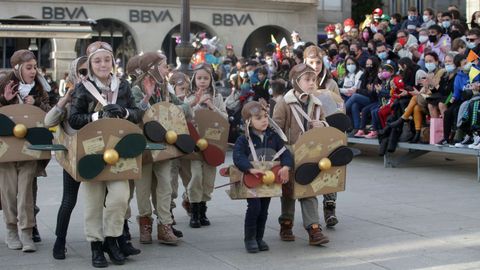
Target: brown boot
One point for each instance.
(286, 233)
(186, 206)
(165, 234)
(145, 230)
(316, 236)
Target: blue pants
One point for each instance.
(366, 114)
(353, 106)
(257, 212)
(375, 118)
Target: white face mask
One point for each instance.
(338, 31)
(423, 39)
(330, 36)
(243, 74)
(270, 91)
(351, 68)
(269, 62)
(426, 18)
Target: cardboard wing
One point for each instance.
(95, 138)
(212, 127)
(239, 189)
(311, 147)
(16, 149)
(171, 118)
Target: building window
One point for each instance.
(41, 47)
(330, 5)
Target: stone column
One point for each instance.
(62, 55)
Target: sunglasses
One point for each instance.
(471, 39)
(83, 71)
(97, 45)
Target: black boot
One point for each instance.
(98, 258)
(177, 233)
(262, 246)
(195, 217)
(110, 246)
(329, 213)
(59, 249)
(36, 235)
(126, 247)
(397, 123)
(393, 139)
(250, 239)
(382, 150)
(416, 138)
(203, 214)
(126, 230)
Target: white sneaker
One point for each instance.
(27, 242)
(12, 240)
(464, 142)
(476, 141)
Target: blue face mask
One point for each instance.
(411, 18)
(450, 68)
(467, 66)
(446, 24)
(382, 55)
(430, 66)
(250, 73)
(351, 68)
(471, 45)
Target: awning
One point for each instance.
(45, 31)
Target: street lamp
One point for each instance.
(185, 49)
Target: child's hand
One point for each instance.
(256, 172)
(283, 173)
(316, 124)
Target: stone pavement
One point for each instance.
(424, 215)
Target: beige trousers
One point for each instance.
(202, 182)
(180, 167)
(104, 215)
(16, 180)
(163, 191)
(131, 184)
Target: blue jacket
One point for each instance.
(461, 80)
(271, 140)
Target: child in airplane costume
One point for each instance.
(295, 113)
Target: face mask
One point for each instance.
(402, 41)
(478, 20)
(384, 75)
(392, 22)
(467, 67)
(330, 36)
(269, 62)
(285, 67)
(382, 55)
(353, 53)
(326, 62)
(365, 35)
(423, 39)
(411, 18)
(426, 18)
(449, 68)
(369, 69)
(347, 29)
(342, 55)
(338, 31)
(351, 68)
(250, 73)
(430, 66)
(432, 38)
(227, 68)
(373, 28)
(243, 74)
(446, 24)
(270, 91)
(471, 45)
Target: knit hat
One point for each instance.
(298, 71)
(18, 59)
(96, 47)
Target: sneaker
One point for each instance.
(466, 140)
(443, 142)
(476, 141)
(372, 135)
(360, 134)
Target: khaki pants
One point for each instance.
(180, 167)
(201, 184)
(105, 221)
(309, 210)
(16, 180)
(163, 191)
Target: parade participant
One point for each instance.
(258, 139)
(200, 188)
(21, 86)
(312, 56)
(303, 78)
(152, 89)
(297, 40)
(104, 212)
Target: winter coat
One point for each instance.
(39, 94)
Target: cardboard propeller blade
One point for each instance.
(154, 131)
(306, 173)
(339, 121)
(212, 155)
(131, 145)
(48, 147)
(185, 143)
(341, 156)
(39, 135)
(6, 125)
(91, 165)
